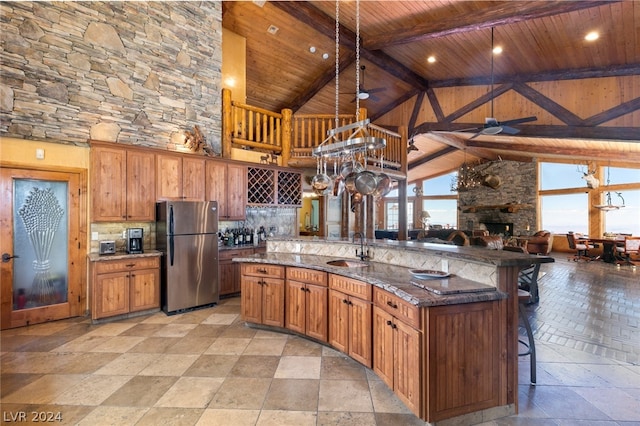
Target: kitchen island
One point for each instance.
(447, 347)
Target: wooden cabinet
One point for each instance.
(262, 294)
(306, 302)
(350, 316)
(397, 346)
(124, 286)
(122, 184)
(180, 177)
(229, 272)
(226, 183)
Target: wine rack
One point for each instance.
(273, 187)
(289, 188)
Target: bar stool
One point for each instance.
(523, 298)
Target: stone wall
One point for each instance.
(518, 185)
(137, 73)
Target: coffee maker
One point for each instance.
(134, 240)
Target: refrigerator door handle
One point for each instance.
(170, 219)
(171, 250)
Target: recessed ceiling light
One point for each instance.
(312, 49)
(431, 59)
(592, 36)
(497, 50)
(272, 29)
(325, 56)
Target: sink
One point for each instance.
(348, 263)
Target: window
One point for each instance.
(391, 215)
(566, 205)
(564, 213)
(438, 200)
(442, 212)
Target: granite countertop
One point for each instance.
(96, 257)
(395, 279)
(468, 253)
(242, 247)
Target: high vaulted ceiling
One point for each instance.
(541, 41)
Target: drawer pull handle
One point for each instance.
(345, 301)
(130, 265)
(393, 305)
(262, 270)
(390, 323)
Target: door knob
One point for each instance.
(6, 257)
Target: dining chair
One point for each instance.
(631, 247)
(581, 246)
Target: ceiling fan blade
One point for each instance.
(475, 135)
(519, 120)
(510, 130)
(373, 98)
(377, 90)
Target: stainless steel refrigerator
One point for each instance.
(187, 234)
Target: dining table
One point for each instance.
(608, 246)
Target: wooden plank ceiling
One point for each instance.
(542, 41)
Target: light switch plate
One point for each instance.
(95, 236)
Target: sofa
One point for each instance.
(540, 243)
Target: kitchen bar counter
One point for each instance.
(472, 268)
(395, 279)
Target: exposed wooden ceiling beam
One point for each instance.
(431, 157)
(626, 134)
(555, 150)
(568, 74)
(503, 13)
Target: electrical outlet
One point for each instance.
(124, 234)
(95, 236)
(445, 265)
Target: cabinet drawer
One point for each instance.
(103, 267)
(230, 254)
(307, 276)
(401, 309)
(263, 270)
(350, 286)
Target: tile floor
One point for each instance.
(207, 368)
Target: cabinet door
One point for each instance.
(383, 362)
(316, 312)
(216, 186)
(273, 302)
(111, 295)
(295, 306)
(169, 177)
(407, 354)
(144, 286)
(227, 272)
(251, 299)
(108, 184)
(141, 191)
(360, 347)
(339, 321)
(193, 182)
(236, 191)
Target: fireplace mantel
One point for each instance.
(505, 208)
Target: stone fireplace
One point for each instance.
(499, 228)
(512, 204)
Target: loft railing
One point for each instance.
(294, 136)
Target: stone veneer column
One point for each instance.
(129, 72)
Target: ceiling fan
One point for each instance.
(491, 125)
(364, 94)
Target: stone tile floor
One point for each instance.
(207, 368)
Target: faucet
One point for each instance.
(361, 254)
